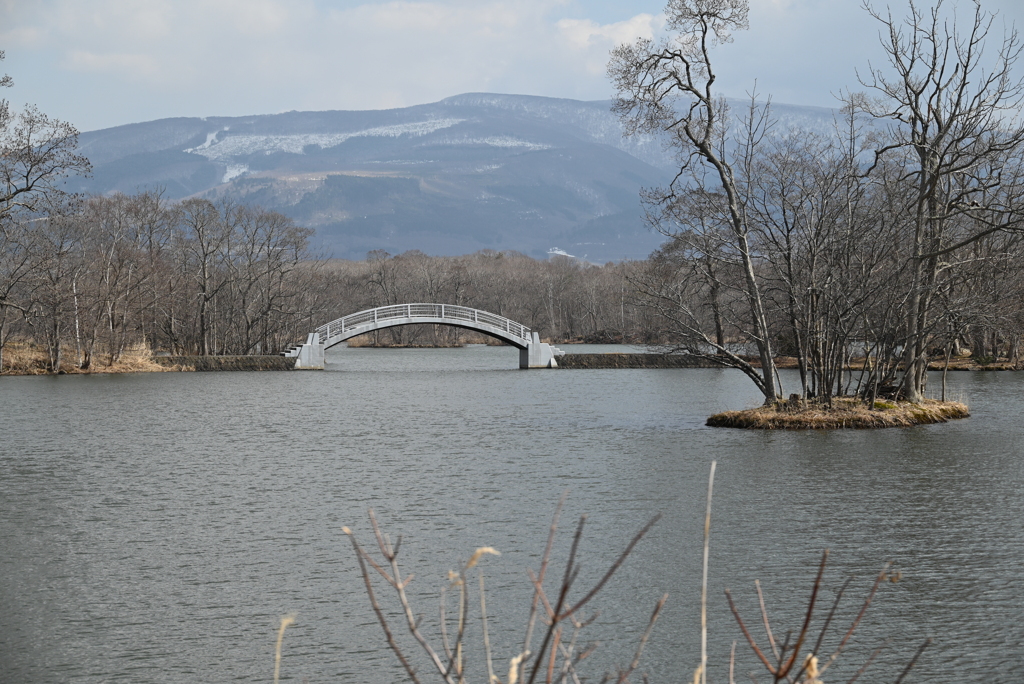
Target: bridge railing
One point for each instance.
(456, 314)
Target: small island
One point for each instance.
(845, 412)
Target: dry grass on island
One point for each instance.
(845, 412)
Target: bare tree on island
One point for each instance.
(778, 236)
(666, 88)
(954, 136)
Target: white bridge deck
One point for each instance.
(532, 352)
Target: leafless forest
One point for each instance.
(198, 278)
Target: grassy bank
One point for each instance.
(846, 412)
(27, 359)
(22, 358)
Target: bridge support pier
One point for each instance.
(539, 354)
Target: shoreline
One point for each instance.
(202, 364)
(34, 363)
(20, 360)
(631, 360)
(846, 412)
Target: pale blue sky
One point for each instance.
(100, 63)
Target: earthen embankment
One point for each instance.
(633, 361)
(227, 363)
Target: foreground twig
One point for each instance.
(624, 675)
(750, 639)
(790, 660)
(785, 669)
(557, 643)
(867, 663)
(571, 571)
(538, 591)
(786, 657)
(392, 644)
(764, 618)
(860, 615)
(913, 661)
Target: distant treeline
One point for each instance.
(194, 277)
(120, 271)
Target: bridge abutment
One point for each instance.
(539, 354)
(311, 355)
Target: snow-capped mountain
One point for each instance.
(470, 172)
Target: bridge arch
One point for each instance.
(532, 352)
(507, 330)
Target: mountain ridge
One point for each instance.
(482, 171)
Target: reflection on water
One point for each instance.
(155, 526)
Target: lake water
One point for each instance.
(155, 527)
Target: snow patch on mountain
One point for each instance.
(497, 141)
(211, 138)
(232, 146)
(234, 171)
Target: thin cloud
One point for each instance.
(135, 67)
(106, 62)
(153, 58)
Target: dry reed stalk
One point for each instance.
(285, 622)
(487, 639)
(704, 581)
(22, 358)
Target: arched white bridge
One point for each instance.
(532, 352)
